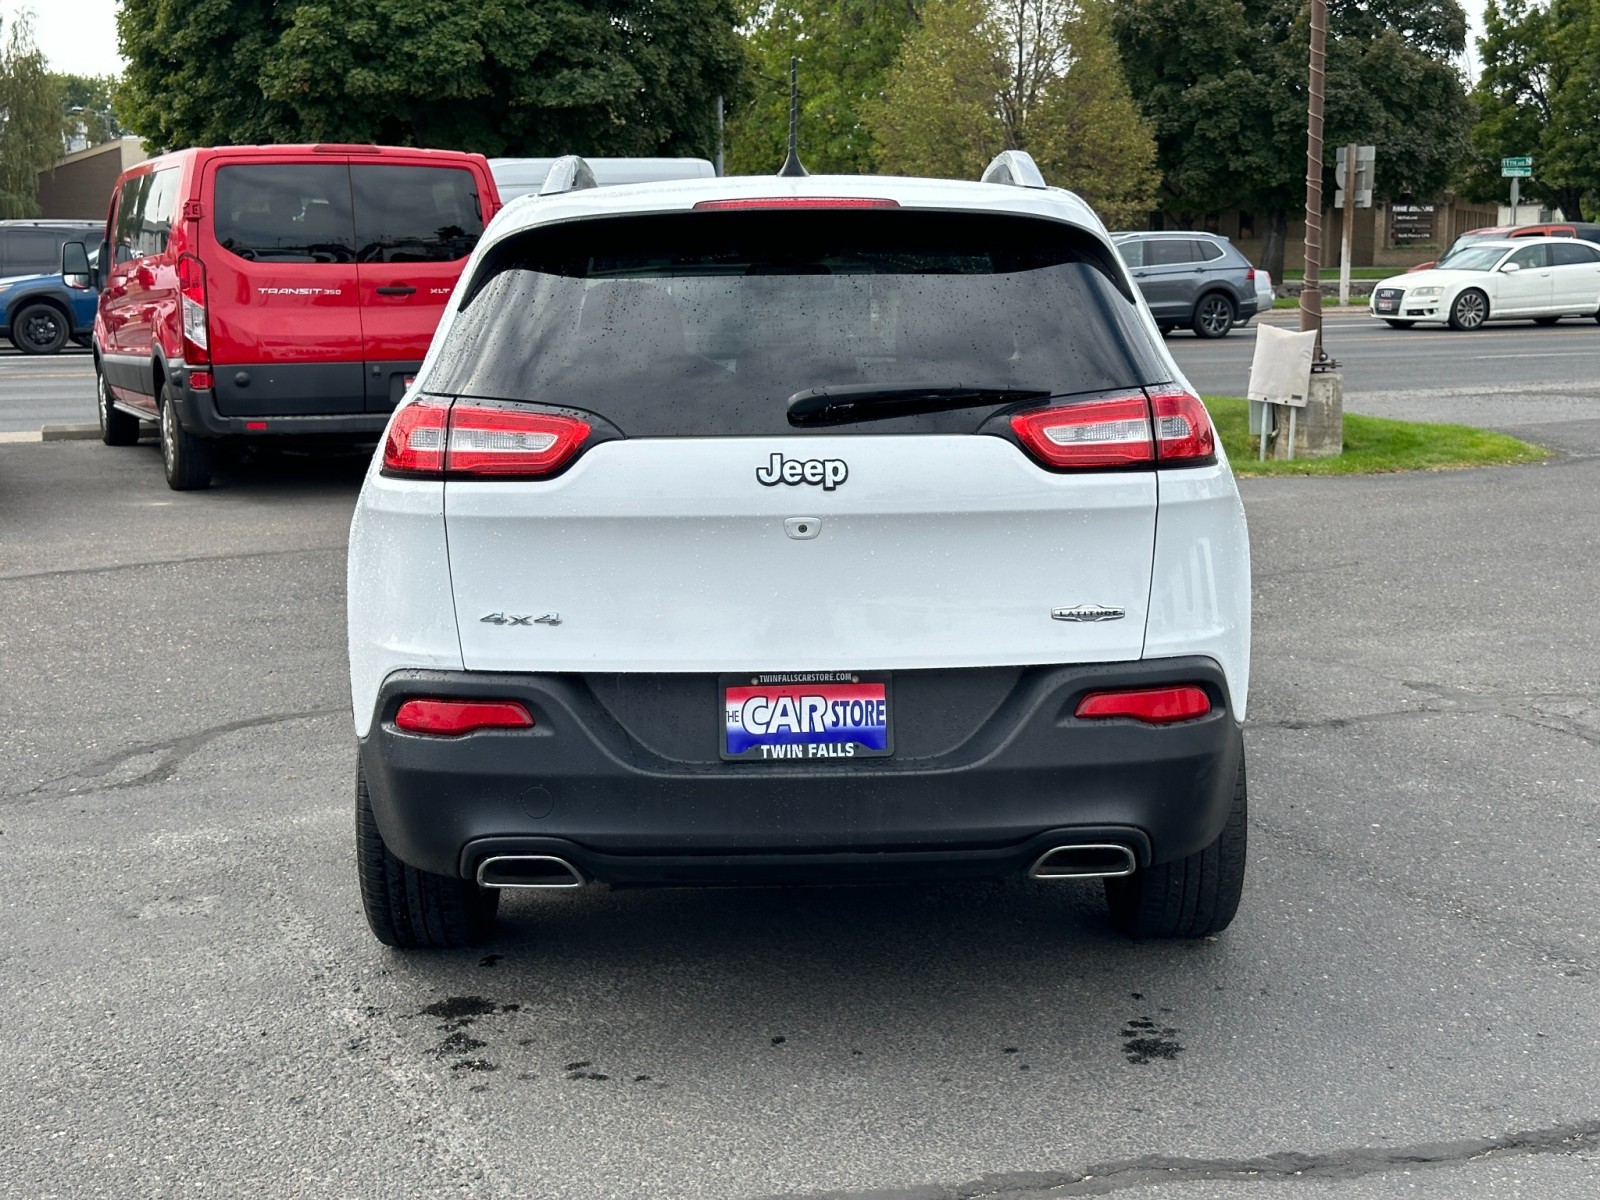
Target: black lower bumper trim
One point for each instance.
(975, 801)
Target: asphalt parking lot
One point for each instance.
(1405, 1006)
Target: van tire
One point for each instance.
(185, 458)
(412, 909)
(40, 329)
(117, 428)
(1194, 896)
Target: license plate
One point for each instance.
(805, 716)
(1387, 304)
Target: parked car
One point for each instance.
(520, 176)
(1195, 279)
(1265, 296)
(1588, 231)
(40, 314)
(770, 530)
(1544, 279)
(33, 247)
(275, 291)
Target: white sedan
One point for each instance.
(1544, 279)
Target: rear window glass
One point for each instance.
(707, 323)
(415, 214)
(286, 212)
(1573, 255)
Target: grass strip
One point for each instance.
(1373, 445)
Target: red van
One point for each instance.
(275, 290)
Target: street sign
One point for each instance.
(1520, 167)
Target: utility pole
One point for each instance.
(1311, 287)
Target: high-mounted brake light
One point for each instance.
(1183, 427)
(430, 436)
(192, 310)
(453, 718)
(1154, 706)
(797, 202)
(1109, 432)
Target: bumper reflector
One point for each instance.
(1154, 706)
(452, 718)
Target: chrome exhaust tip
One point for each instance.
(1094, 860)
(528, 871)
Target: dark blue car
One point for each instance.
(41, 313)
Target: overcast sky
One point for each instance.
(80, 36)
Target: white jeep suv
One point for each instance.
(813, 530)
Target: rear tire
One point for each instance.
(40, 329)
(117, 428)
(1194, 896)
(1398, 324)
(185, 458)
(412, 909)
(1213, 316)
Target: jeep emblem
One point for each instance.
(829, 472)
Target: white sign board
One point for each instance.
(1281, 370)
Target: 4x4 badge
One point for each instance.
(500, 618)
(1088, 612)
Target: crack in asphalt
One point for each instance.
(1157, 1169)
(66, 572)
(172, 752)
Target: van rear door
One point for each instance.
(416, 221)
(280, 279)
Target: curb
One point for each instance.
(21, 435)
(68, 433)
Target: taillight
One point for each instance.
(1111, 432)
(192, 310)
(430, 436)
(414, 444)
(452, 718)
(1250, 275)
(1183, 427)
(505, 440)
(1154, 706)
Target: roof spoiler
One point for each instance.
(1015, 167)
(567, 174)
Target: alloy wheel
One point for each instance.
(1471, 310)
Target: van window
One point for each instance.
(286, 212)
(144, 213)
(415, 214)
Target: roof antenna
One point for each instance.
(791, 168)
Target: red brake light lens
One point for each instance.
(1110, 432)
(1154, 706)
(797, 202)
(430, 436)
(1183, 427)
(453, 718)
(504, 440)
(414, 444)
(192, 310)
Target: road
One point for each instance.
(1387, 371)
(1405, 1006)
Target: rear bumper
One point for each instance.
(579, 785)
(286, 409)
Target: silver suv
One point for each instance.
(1195, 279)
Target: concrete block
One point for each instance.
(68, 433)
(1319, 426)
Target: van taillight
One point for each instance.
(474, 439)
(1169, 427)
(192, 310)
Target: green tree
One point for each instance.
(1539, 94)
(86, 101)
(30, 120)
(844, 46)
(518, 77)
(1224, 85)
(1034, 75)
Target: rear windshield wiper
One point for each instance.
(843, 404)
